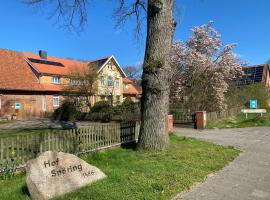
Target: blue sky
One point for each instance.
(245, 22)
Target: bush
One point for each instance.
(240, 96)
(100, 106)
(104, 112)
(66, 112)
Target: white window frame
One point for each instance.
(110, 66)
(110, 81)
(117, 83)
(102, 81)
(56, 78)
(84, 100)
(56, 97)
(118, 101)
(77, 101)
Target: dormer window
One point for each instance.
(56, 80)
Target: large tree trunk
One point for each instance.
(156, 75)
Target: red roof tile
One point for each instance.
(130, 90)
(15, 74)
(66, 66)
(126, 80)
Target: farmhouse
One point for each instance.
(32, 85)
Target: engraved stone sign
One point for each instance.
(55, 173)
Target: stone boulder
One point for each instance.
(53, 174)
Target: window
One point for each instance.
(102, 81)
(110, 66)
(103, 98)
(55, 101)
(84, 100)
(117, 82)
(75, 82)
(110, 81)
(56, 79)
(77, 101)
(118, 99)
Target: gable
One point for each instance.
(112, 59)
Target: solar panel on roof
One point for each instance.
(251, 75)
(33, 60)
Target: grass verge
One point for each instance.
(134, 175)
(240, 121)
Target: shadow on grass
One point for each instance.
(131, 145)
(25, 190)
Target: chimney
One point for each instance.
(42, 54)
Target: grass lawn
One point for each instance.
(134, 175)
(240, 121)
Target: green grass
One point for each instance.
(18, 132)
(240, 121)
(134, 175)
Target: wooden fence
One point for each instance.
(16, 151)
(213, 116)
(181, 118)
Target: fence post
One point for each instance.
(201, 119)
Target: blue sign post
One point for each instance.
(253, 104)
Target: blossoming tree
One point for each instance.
(203, 70)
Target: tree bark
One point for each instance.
(156, 75)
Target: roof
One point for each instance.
(20, 70)
(253, 74)
(16, 73)
(58, 66)
(126, 80)
(131, 90)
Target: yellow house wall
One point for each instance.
(114, 72)
(101, 91)
(46, 79)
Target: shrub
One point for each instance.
(100, 106)
(240, 96)
(66, 112)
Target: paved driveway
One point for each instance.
(247, 177)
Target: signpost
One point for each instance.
(253, 104)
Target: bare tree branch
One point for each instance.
(125, 11)
(73, 14)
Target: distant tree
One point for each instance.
(204, 69)
(132, 72)
(157, 64)
(82, 85)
